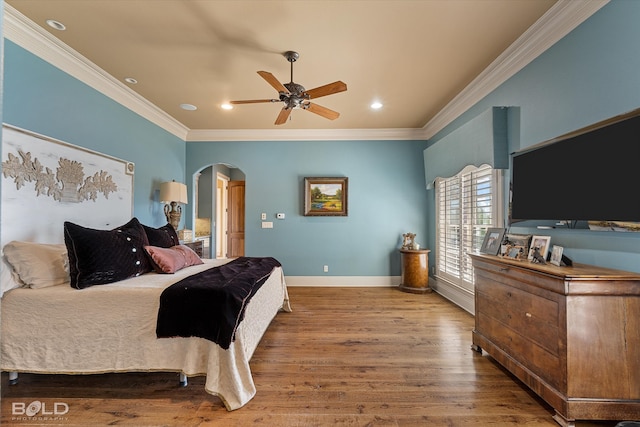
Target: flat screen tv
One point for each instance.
(592, 174)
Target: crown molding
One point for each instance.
(28, 35)
(206, 135)
(560, 20)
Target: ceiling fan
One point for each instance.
(295, 96)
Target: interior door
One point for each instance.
(235, 222)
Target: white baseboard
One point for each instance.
(343, 281)
(463, 298)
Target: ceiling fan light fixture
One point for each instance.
(295, 96)
(226, 106)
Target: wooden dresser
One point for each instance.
(572, 334)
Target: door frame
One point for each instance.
(222, 183)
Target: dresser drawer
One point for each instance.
(539, 360)
(533, 316)
(523, 324)
(509, 274)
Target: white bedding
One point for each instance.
(111, 328)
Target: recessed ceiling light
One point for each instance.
(57, 25)
(131, 80)
(188, 107)
(226, 106)
(376, 105)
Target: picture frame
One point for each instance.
(556, 255)
(523, 240)
(542, 244)
(326, 196)
(515, 252)
(510, 240)
(492, 241)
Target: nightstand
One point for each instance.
(196, 245)
(415, 271)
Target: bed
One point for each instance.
(82, 281)
(113, 328)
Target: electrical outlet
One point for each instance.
(263, 216)
(325, 268)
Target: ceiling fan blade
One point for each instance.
(253, 101)
(283, 116)
(271, 79)
(325, 90)
(321, 111)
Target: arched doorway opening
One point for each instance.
(219, 213)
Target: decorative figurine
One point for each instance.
(407, 242)
(537, 256)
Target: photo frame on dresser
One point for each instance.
(514, 252)
(515, 246)
(541, 244)
(492, 241)
(556, 255)
(518, 239)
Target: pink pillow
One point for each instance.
(170, 260)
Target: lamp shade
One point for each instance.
(173, 192)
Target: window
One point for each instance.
(466, 205)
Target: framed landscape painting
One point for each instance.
(325, 196)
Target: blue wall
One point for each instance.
(589, 75)
(41, 98)
(386, 198)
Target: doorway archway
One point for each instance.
(219, 212)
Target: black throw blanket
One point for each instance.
(211, 304)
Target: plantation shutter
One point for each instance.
(467, 205)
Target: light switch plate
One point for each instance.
(266, 224)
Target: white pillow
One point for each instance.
(38, 265)
(8, 278)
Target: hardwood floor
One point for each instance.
(343, 357)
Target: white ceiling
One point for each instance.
(415, 56)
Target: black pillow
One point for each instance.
(163, 237)
(98, 257)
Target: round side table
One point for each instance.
(415, 271)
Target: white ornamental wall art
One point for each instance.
(46, 182)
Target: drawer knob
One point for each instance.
(528, 314)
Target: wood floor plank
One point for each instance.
(343, 357)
